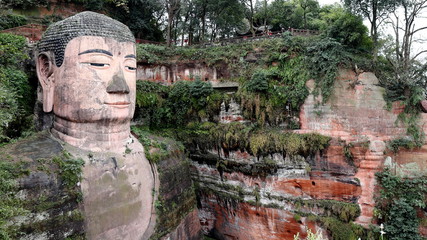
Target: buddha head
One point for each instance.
(86, 66)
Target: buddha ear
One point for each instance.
(46, 77)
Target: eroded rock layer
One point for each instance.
(246, 197)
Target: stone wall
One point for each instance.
(170, 73)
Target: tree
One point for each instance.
(376, 11)
(172, 8)
(408, 72)
(225, 16)
(405, 30)
(307, 6)
(294, 14)
(345, 28)
(250, 4)
(140, 16)
(281, 13)
(16, 94)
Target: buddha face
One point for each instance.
(96, 81)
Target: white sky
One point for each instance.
(325, 2)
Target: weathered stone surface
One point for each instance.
(86, 66)
(409, 162)
(355, 111)
(189, 228)
(170, 73)
(176, 212)
(317, 189)
(223, 219)
(31, 148)
(226, 214)
(356, 118)
(54, 209)
(117, 193)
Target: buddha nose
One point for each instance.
(118, 84)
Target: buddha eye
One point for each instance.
(130, 68)
(99, 64)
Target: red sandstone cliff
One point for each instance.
(235, 205)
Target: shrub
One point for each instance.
(258, 82)
(398, 202)
(9, 111)
(322, 60)
(258, 141)
(12, 49)
(16, 102)
(23, 4)
(11, 21)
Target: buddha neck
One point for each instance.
(96, 136)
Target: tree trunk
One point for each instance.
(251, 20)
(169, 29)
(374, 30)
(203, 19)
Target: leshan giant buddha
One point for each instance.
(86, 66)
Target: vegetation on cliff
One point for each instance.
(16, 93)
(397, 204)
(173, 167)
(272, 87)
(22, 199)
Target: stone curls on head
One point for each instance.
(57, 36)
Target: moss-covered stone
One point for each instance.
(176, 196)
(43, 190)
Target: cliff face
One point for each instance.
(175, 205)
(278, 197)
(356, 111)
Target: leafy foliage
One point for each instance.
(138, 15)
(342, 231)
(408, 87)
(156, 148)
(398, 202)
(11, 21)
(396, 144)
(70, 170)
(12, 49)
(345, 28)
(258, 83)
(176, 105)
(310, 236)
(257, 141)
(15, 91)
(323, 59)
(24, 4)
(271, 95)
